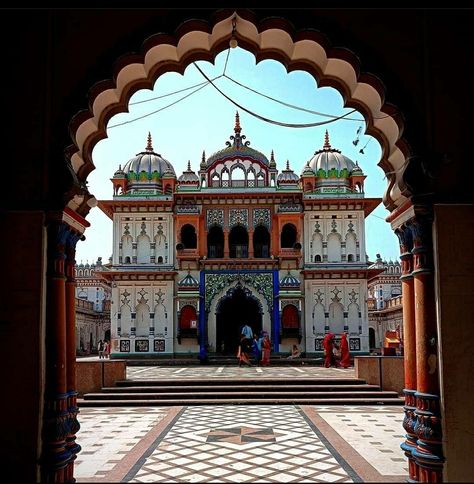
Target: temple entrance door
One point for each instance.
(233, 311)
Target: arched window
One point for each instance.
(251, 178)
(261, 180)
(215, 243)
(238, 242)
(225, 177)
(317, 247)
(125, 322)
(127, 260)
(238, 177)
(160, 260)
(215, 180)
(350, 257)
(188, 236)
(317, 258)
(261, 242)
(127, 247)
(288, 236)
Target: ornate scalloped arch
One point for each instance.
(272, 38)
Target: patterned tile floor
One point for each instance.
(238, 443)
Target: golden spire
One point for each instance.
(149, 146)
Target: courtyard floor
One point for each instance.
(240, 443)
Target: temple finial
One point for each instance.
(149, 146)
(203, 159)
(272, 157)
(327, 145)
(237, 128)
(189, 165)
(287, 164)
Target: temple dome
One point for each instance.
(147, 167)
(188, 177)
(238, 148)
(330, 162)
(287, 176)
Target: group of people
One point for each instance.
(257, 346)
(103, 347)
(337, 355)
(334, 354)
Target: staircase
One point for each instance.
(248, 391)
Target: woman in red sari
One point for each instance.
(266, 349)
(345, 355)
(328, 345)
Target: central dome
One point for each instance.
(237, 149)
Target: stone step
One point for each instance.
(249, 381)
(241, 387)
(241, 401)
(263, 395)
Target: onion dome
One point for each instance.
(288, 177)
(147, 168)
(81, 265)
(188, 177)
(290, 282)
(87, 266)
(357, 170)
(120, 173)
(307, 171)
(238, 148)
(188, 282)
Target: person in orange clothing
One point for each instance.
(328, 346)
(345, 354)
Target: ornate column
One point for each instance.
(56, 454)
(251, 248)
(428, 454)
(73, 410)
(408, 295)
(226, 243)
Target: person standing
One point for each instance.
(266, 349)
(257, 349)
(106, 349)
(247, 331)
(244, 350)
(328, 345)
(345, 353)
(100, 348)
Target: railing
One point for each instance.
(261, 251)
(239, 251)
(215, 251)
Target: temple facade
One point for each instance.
(237, 242)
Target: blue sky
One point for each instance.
(205, 120)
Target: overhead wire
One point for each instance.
(269, 120)
(161, 109)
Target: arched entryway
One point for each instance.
(236, 308)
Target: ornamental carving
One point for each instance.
(319, 297)
(353, 297)
(215, 217)
(239, 216)
(262, 282)
(290, 302)
(261, 216)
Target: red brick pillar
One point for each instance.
(73, 410)
(428, 454)
(409, 347)
(226, 243)
(251, 248)
(56, 455)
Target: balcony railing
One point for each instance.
(239, 251)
